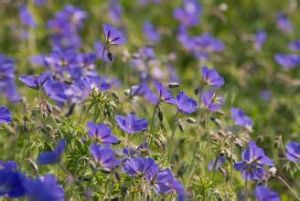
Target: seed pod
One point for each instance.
(173, 85)
(110, 56)
(33, 165)
(160, 115)
(49, 108)
(180, 126)
(115, 95)
(260, 139)
(191, 120)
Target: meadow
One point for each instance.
(153, 100)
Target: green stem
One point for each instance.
(152, 123)
(174, 127)
(289, 187)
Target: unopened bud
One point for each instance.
(173, 85)
(160, 115)
(191, 120)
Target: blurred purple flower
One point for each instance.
(12, 165)
(144, 90)
(189, 14)
(113, 36)
(145, 2)
(293, 151)
(166, 183)
(260, 39)
(283, 23)
(263, 193)
(44, 188)
(35, 82)
(164, 93)
(212, 77)
(105, 156)
(186, 104)
(26, 17)
(56, 90)
(150, 32)
(295, 45)
(5, 115)
(40, 2)
(53, 156)
(240, 118)
(11, 182)
(266, 95)
(102, 132)
(8, 87)
(115, 10)
(131, 124)
(288, 61)
(141, 167)
(217, 163)
(212, 101)
(253, 162)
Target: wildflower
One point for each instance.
(105, 156)
(11, 182)
(131, 123)
(186, 104)
(113, 36)
(102, 132)
(189, 14)
(35, 82)
(283, 23)
(217, 163)
(115, 10)
(293, 151)
(260, 39)
(253, 162)
(164, 94)
(141, 167)
(5, 116)
(150, 32)
(166, 183)
(212, 101)
(53, 156)
(102, 52)
(240, 118)
(8, 87)
(288, 61)
(212, 77)
(263, 193)
(26, 17)
(45, 188)
(295, 45)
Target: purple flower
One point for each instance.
(144, 90)
(26, 17)
(53, 156)
(44, 188)
(115, 10)
(7, 79)
(102, 132)
(295, 45)
(65, 27)
(253, 162)
(260, 39)
(151, 33)
(266, 95)
(240, 118)
(186, 104)
(105, 156)
(166, 183)
(11, 181)
(56, 90)
(131, 123)
(113, 36)
(189, 14)
(141, 167)
(164, 93)
(212, 77)
(35, 82)
(217, 163)
(12, 165)
(293, 151)
(263, 193)
(288, 61)
(5, 116)
(212, 101)
(283, 23)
